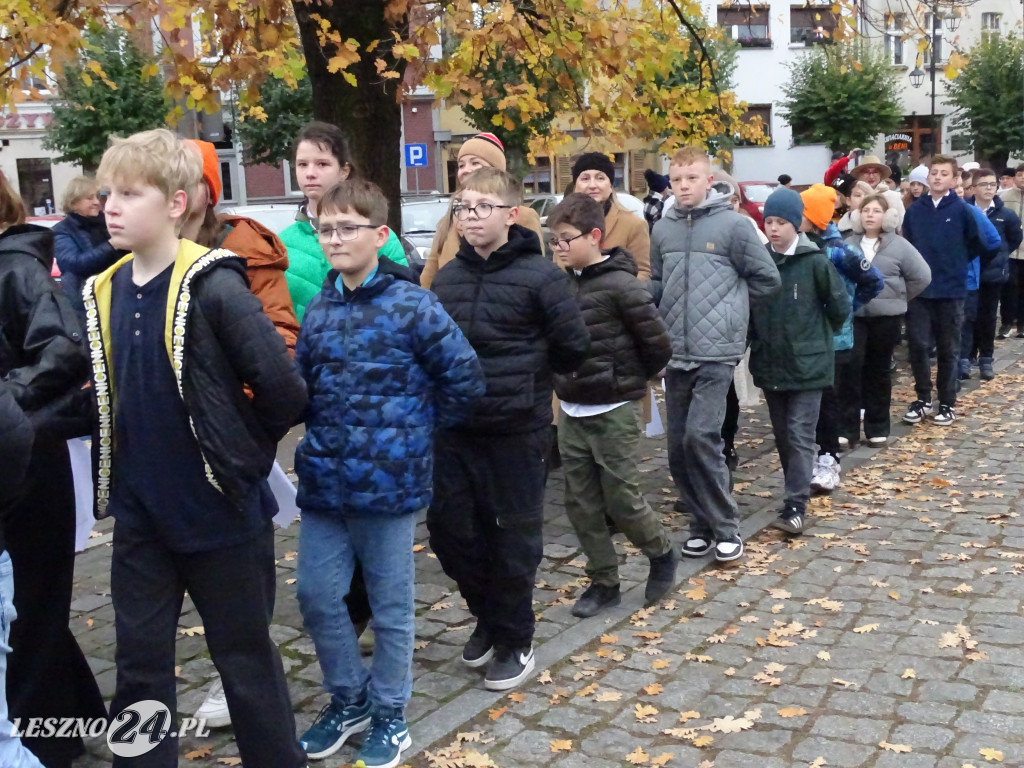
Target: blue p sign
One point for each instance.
(415, 155)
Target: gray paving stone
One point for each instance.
(862, 730)
(839, 753)
(929, 713)
(926, 736)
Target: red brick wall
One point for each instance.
(264, 181)
(419, 129)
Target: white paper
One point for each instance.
(284, 491)
(81, 469)
(654, 426)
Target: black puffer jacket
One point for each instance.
(42, 349)
(224, 341)
(15, 450)
(629, 341)
(516, 310)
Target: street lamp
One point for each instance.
(952, 20)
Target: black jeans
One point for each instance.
(231, 588)
(1012, 295)
(47, 673)
(979, 331)
(486, 522)
(867, 380)
(731, 423)
(826, 432)
(943, 318)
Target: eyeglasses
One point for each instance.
(345, 232)
(482, 210)
(562, 243)
(986, 185)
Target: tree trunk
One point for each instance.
(369, 113)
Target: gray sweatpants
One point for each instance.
(696, 408)
(794, 416)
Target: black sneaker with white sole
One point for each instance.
(698, 546)
(790, 520)
(508, 668)
(729, 549)
(917, 411)
(944, 417)
(479, 649)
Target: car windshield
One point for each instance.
(423, 216)
(758, 193)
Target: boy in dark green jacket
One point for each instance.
(791, 355)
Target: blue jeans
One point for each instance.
(328, 549)
(13, 754)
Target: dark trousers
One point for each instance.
(866, 382)
(826, 432)
(979, 334)
(231, 588)
(1012, 295)
(793, 416)
(731, 423)
(486, 522)
(967, 326)
(943, 318)
(47, 674)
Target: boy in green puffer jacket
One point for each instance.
(791, 351)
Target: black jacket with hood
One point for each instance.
(629, 341)
(516, 310)
(218, 339)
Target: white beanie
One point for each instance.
(971, 166)
(920, 175)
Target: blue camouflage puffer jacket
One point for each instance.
(863, 281)
(385, 365)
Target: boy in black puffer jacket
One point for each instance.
(599, 430)
(485, 519)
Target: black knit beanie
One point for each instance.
(593, 161)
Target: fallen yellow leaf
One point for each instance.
(792, 712)
(638, 756)
(494, 714)
(518, 697)
(653, 689)
(663, 758)
(195, 754)
(660, 664)
(561, 745)
(895, 747)
(992, 755)
(908, 674)
(865, 629)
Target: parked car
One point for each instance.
(543, 205)
(752, 197)
(420, 216)
(274, 216)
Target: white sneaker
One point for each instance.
(826, 474)
(214, 709)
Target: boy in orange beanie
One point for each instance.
(863, 282)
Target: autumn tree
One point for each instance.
(842, 95)
(989, 101)
(287, 109)
(601, 67)
(127, 97)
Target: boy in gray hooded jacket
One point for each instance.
(706, 264)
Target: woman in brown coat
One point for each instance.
(484, 150)
(594, 175)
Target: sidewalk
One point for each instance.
(888, 635)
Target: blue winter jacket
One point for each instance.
(77, 258)
(863, 282)
(949, 236)
(385, 365)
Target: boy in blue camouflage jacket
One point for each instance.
(385, 366)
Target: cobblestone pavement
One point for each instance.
(888, 635)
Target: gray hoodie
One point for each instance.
(903, 269)
(706, 264)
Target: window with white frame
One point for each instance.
(895, 45)
(990, 25)
(933, 31)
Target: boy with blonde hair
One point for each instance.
(706, 265)
(181, 451)
(485, 521)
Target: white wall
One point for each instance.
(27, 142)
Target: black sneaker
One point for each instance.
(790, 520)
(509, 667)
(944, 417)
(596, 598)
(479, 649)
(732, 459)
(730, 549)
(917, 411)
(662, 576)
(1004, 331)
(698, 546)
(1020, 333)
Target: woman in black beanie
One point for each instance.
(594, 174)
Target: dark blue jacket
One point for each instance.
(948, 236)
(1008, 226)
(385, 365)
(78, 256)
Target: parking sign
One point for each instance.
(415, 155)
